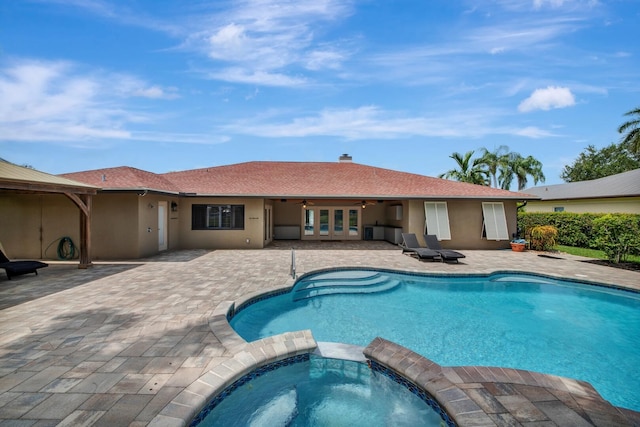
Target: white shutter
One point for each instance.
(437, 219)
(495, 221)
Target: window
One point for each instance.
(558, 209)
(494, 225)
(217, 217)
(437, 220)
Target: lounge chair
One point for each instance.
(410, 244)
(16, 268)
(447, 254)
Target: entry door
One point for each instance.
(162, 226)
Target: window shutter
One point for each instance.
(437, 220)
(495, 221)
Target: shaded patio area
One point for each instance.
(116, 343)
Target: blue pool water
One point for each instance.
(529, 322)
(322, 392)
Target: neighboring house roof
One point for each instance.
(124, 178)
(626, 184)
(22, 178)
(296, 180)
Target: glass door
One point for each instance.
(354, 217)
(338, 223)
(324, 222)
(309, 222)
(331, 223)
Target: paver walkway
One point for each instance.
(114, 344)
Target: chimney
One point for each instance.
(345, 158)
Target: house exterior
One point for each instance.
(248, 205)
(618, 193)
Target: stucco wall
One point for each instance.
(125, 225)
(19, 226)
(615, 205)
(465, 222)
(31, 225)
(252, 237)
(287, 213)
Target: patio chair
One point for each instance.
(17, 268)
(447, 254)
(410, 244)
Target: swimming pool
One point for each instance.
(522, 321)
(317, 391)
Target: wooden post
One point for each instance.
(85, 233)
(84, 202)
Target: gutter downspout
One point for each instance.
(524, 203)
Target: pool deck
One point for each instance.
(123, 343)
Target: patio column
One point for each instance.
(84, 202)
(85, 233)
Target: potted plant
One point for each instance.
(518, 245)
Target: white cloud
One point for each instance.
(324, 59)
(56, 101)
(264, 38)
(533, 132)
(156, 92)
(548, 98)
(537, 4)
(257, 77)
(372, 122)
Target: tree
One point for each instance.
(493, 160)
(469, 170)
(632, 128)
(593, 163)
(520, 168)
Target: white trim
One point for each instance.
(436, 220)
(494, 222)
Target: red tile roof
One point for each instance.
(124, 178)
(294, 180)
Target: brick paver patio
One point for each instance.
(113, 345)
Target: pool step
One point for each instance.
(327, 284)
(523, 279)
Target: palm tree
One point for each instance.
(493, 160)
(632, 128)
(520, 168)
(469, 170)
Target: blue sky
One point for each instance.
(401, 84)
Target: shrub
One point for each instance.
(617, 235)
(574, 229)
(544, 237)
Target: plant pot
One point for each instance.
(518, 247)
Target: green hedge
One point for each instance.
(618, 236)
(574, 229)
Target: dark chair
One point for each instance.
(447, 254)
(410, 244)
(16, 268)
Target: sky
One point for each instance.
(165, 85)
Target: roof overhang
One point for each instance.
(139, 190)
(515, 197)
(22, 179)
